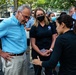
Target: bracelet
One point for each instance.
(51, 49)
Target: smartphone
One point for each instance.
(43, 50)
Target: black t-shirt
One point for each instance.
(54, 23)
(43, 36)
(65, 52)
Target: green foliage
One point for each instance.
(60, 4)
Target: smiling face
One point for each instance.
(24, 15)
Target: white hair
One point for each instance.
(22, 7)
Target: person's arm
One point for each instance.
(35, 47)
(55, 55)
(4, 25)
(52, 62)
(54, 36)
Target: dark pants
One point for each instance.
(38, 70)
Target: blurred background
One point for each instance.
(8, 7)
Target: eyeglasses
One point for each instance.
(25, 16)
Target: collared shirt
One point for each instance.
(30, 22)
(13, 36)
(74, 16)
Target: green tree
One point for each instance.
(60, 4)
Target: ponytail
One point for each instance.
(74, 27)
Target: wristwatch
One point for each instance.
(51, 49)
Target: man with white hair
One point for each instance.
(14, 42)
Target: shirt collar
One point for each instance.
(15, 19)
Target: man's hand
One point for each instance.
(6, 56)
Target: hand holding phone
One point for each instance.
(43, 50)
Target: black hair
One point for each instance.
(68, 21)
(50, 14)
(63, 13)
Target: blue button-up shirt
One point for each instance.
(13, 36)
(30, 23)
(74, 16)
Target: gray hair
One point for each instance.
(22, 7)
(71, 8)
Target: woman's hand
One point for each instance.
(46, 53)
(37, 61)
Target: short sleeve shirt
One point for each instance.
(43, 36)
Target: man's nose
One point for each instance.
(27, 19)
